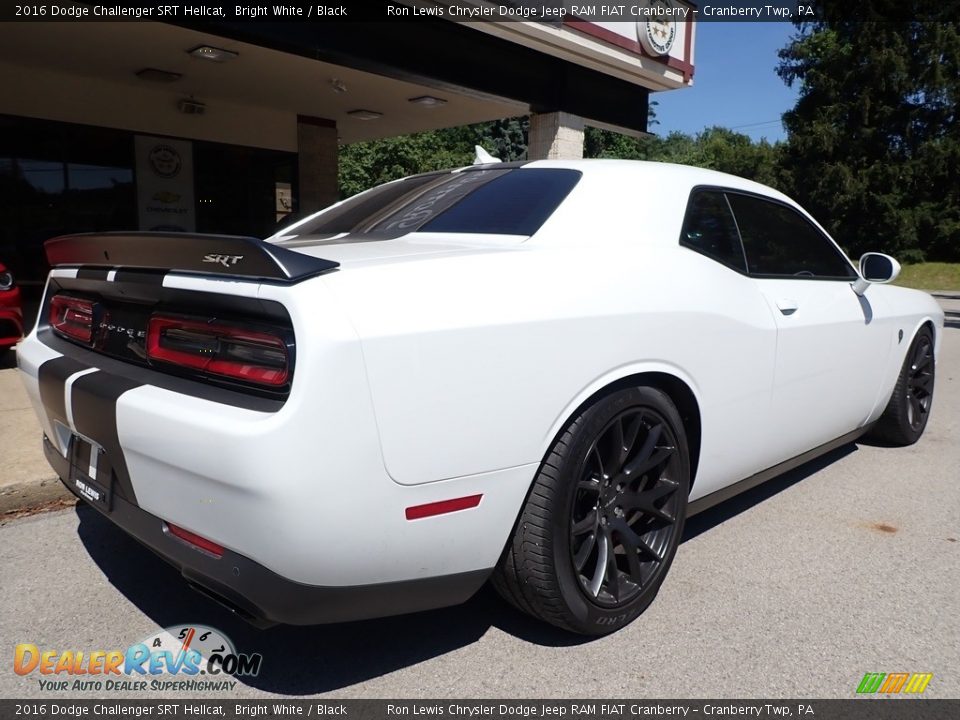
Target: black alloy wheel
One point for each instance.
(919, 393)
(626, 506)
(906, 415)
(604, 516)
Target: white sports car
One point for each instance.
(530, 371)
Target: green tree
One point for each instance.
(874, 147)
(715, 148)
(365, 164)
(599, 143)
(504, 139)
(735, 153)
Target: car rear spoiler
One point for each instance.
(231, 255)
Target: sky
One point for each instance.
(735, 82)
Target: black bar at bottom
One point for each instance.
(892, 708)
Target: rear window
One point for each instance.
(507, 201)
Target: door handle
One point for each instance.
(787, 306)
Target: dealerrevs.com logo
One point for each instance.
(185, 658)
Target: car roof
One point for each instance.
(678, 176)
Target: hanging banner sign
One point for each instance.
(165, 184)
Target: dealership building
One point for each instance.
(229, 127)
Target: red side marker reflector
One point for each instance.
(195, 540)
(443, 506)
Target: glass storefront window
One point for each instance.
(97, 177)
(58, 178)
(45, 178)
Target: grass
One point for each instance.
(930, 276)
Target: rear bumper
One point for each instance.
(261, 596)
(301, 492)
(314, 527)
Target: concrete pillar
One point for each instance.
(317, 152)
(555, 136)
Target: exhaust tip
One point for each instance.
(252, 618)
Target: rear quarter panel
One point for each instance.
(475, 362)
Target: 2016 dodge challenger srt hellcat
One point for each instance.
(530, 372)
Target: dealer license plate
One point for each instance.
(85, 475)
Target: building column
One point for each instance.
(555, 136)
(317, 152)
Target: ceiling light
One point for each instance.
(428, 101)
(365, 114)
(155, 75)
(215, 54)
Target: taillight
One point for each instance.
(231, 351)
(72, 318)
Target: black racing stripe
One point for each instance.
(94, 401)
(52, 377)
(92, 273)
(146, 277)
(148, 376)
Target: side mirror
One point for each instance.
(875, 268)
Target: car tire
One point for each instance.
(905, 417)
(604, 517)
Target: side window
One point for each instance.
(709, 229)
(780, 241)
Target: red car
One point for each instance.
(11, 314)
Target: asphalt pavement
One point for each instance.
(848, 565)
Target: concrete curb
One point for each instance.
(29, 495)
